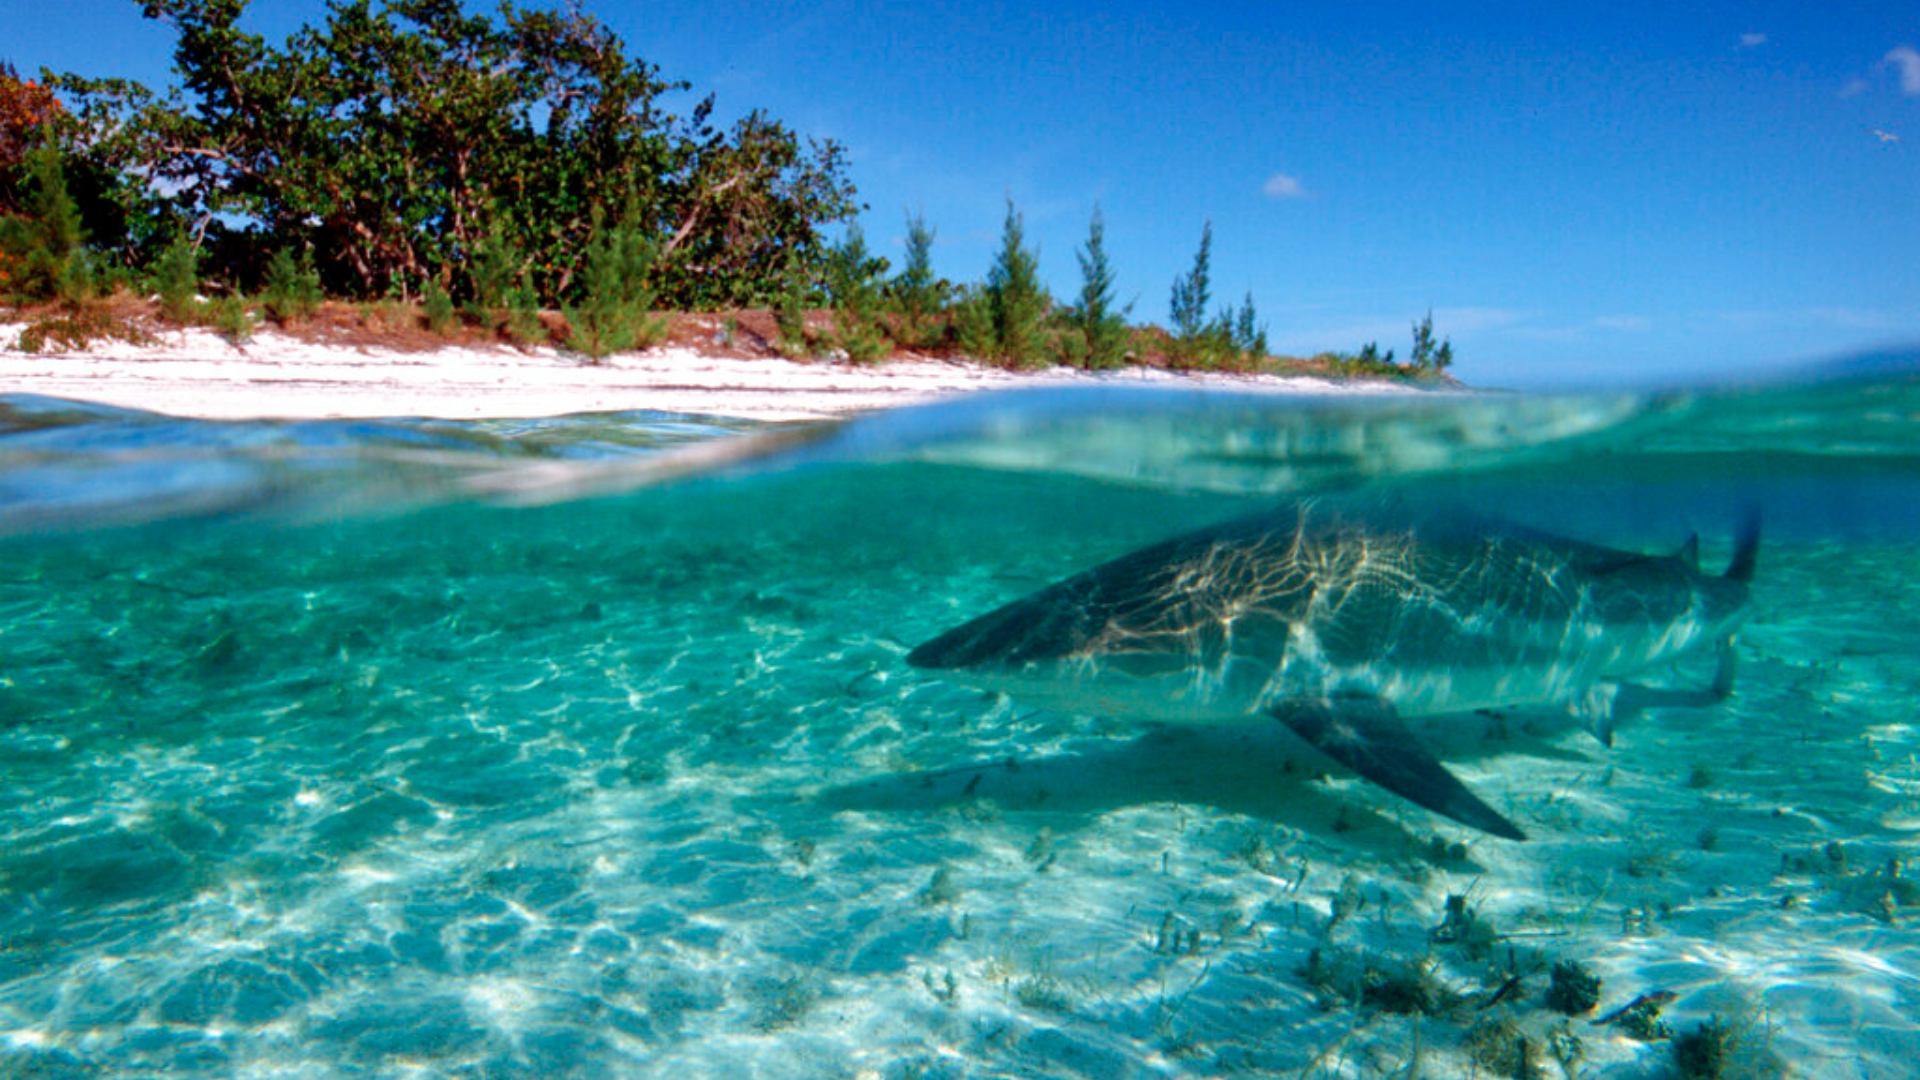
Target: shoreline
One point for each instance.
(195, 373)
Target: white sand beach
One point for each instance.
(196, 373)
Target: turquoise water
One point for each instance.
(587, 747)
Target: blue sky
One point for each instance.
(1621, 192)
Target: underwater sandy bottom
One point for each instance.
(644, 787)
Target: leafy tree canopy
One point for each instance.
(394, 142)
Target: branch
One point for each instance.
(693, 216)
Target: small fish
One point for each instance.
(1658, 999)
(1500, 995)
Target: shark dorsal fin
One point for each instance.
(1689, 552)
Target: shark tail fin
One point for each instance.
(1746, 547)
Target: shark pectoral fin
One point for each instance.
(1629, 699)
(1367, 736)
(1601, 710)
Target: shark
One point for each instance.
(1342, 623)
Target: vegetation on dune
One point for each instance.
(614, 313)
(415, 142)
(916, 299)
(517, 174)
(1102, 328)
(1015, 301)
(854, 279)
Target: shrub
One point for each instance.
(493, 273)
(790, 313)
(612, 315)
(233, 320)
(75, 328)
(853, 278)
(523, 314)
(437, 306)
(291, 292)
(176, 278)
(972, 324)
(1070, 346)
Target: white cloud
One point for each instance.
(1748, 41)
(1907, 60)
(1282, 186)
(1854, 88)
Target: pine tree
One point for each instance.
(613, 313)
(917, 297)
(493, 271)
(1015, 299)
(1422, 357)
(291, 291)
(438, 306)
(46, 244)
(1192, 292)
(790, 312)
(523, 313)
(1249, 336)
(1103, 328)
(176, 278)
(853, 275)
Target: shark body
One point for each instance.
(1339, 624)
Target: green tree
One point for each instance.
(1103, 329)
(381, 139)
(494, 270)
(1192, 292)
(972, 325)
(614, 312)
(291, 292)
(1371, 358)
(437, 305)
(523, 313)
(1426, 356)
(176, 278)
(790, 312)
(45, 244)
(1016, 303)
(1249, 334)
(917, 298)
(853, 281)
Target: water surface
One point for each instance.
(587, 747)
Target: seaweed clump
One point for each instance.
(1574, 990)
(1498, 1045)
(1463, 926)
(1703, 1053)
(1405, 987)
